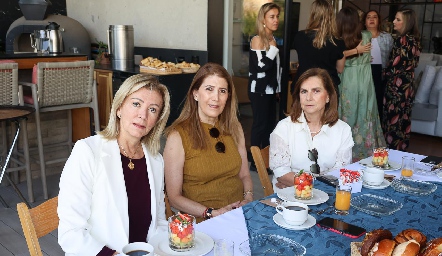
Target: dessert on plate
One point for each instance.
(181, 232)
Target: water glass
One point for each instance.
(407, 167)
(343, 196)
(224, 247)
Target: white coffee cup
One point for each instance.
(138, 249)
(372, 176)
(294, 213)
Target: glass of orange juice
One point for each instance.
(407, 166)
(343, 196)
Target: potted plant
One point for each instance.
(103, 55)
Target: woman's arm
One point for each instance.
(262, 62)
(358, 50)
(173, 170)
(340, 65)
(244, 173)
(75, 203)
(280, 161)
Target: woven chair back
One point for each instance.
(38, 222)
(8, 84)
(64, 83)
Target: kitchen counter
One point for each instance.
(28, 59)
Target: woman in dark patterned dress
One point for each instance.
(399, 79)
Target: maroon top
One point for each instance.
(139, 203)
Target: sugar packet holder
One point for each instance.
(351, 178)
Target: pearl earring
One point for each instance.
(264, 25)
(119, 116)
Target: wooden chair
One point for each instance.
(61, 86)
(261, 158)
(38, 222)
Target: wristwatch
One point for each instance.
(208, 213)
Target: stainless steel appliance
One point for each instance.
(39, 41)
(55, 39)
(121, 46)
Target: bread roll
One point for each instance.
(372, 238)
(411, 234)
(434, 247)
(409, 248)
(384, 248)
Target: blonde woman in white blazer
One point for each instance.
(112, 186)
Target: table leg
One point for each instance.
(6, 164)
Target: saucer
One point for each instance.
(203, 245)
(288, 194)
(383, 185)
(279, 220)
(392, 166)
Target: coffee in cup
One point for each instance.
(138, 249)
(293, 213)
(372, 176)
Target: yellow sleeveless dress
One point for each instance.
(211, 178)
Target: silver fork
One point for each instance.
(324, 210)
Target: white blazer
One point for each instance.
(92, 202)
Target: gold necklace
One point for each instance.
(130, 164)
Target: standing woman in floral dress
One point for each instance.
(399, 79)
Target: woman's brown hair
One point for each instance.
(410, 26)
(379, 19)
(330, 115)
(349, 27)
(189, 118)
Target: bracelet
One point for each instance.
(248, 192)
(357, 52)
(207, 213)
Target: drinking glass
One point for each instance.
(407, 167)
(380, 157)
(343, 196)
(224, 247)
(181, 232)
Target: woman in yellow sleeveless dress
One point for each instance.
(206, 167)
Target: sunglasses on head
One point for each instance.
(219, 146)
(313, 156)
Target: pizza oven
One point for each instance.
(73, 33)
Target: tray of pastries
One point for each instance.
(188, 67)
(155, 66)
(409, 242)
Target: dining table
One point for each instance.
(416, 211)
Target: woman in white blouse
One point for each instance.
(312, 123)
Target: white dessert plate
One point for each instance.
(392, 165)
(203, 245)
(383, 185)
(279, 220)
(288, 194)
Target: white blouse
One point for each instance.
(290, 142)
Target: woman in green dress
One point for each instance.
(357, 103)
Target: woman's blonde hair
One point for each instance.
(260, 29)
(131, 85)
(322, 21)
(189, 118)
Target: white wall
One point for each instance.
(304, 13)
(172, 24)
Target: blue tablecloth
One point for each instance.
(423, 213)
